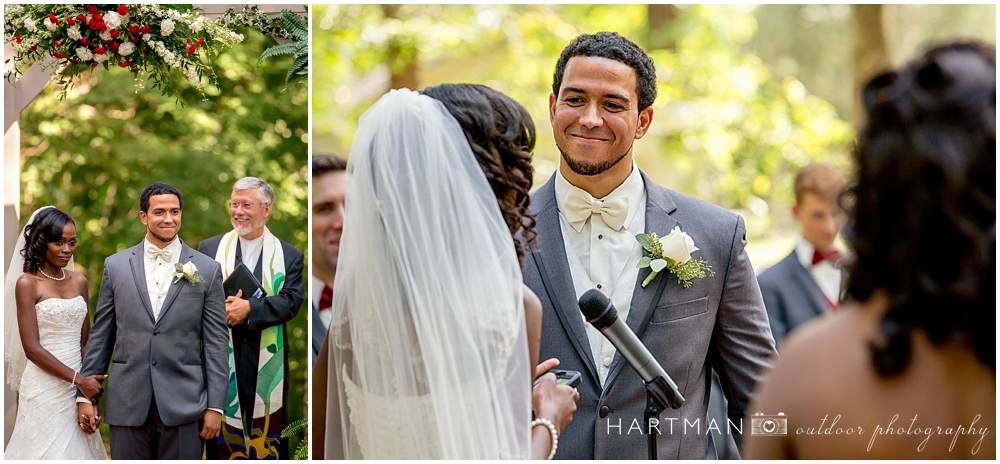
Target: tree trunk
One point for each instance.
(658, 32)
(870, 56)
(401, 55)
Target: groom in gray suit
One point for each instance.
(588, 215)
(169, 374)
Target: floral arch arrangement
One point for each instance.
(157, 41)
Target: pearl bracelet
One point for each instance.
(552, 431)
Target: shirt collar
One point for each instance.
(804, 252)
(632, 187)
(173, 247)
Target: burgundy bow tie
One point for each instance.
(833, 257)
(326, 298)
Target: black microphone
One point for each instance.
(601, 313)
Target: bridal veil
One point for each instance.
(428, 350)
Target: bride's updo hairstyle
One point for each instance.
(924, 204)
(48, 227)
(502, 137)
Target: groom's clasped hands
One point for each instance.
(88, 416)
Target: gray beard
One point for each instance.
(591, 169)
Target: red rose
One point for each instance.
(99, 50)
(122, 64)
(34, 48)
(145, 29)
(201, 41)
(135, 70)
(188, 41)
(58, 55)
(54, 19)
(81, 17)
(193, 49)
(84, 41)
(18, 39)
(145, 50)
(95, 65)
(92, 9)
(133, 29)
(70, 21)
(123, 10)
(114, 34)
(98, 16)
(114, 47)
(57, 44)
(101, 26)
(135, 39)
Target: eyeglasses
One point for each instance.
(246, 206)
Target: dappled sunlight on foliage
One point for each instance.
(93, 153)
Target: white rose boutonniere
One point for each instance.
(673, 253)
(187, 271)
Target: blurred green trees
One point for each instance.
(732, 123)
(92, 154)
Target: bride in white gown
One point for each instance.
(46, 322)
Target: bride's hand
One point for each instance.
(91, 387)
(545, 366)
(556, 403)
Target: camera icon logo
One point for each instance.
(764, 424)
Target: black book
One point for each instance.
(243, 279)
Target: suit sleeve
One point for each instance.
(215, 342)
(742, 345)
(283, 307)
(101, 340)
(775, 308)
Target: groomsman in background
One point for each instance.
(808, 281)
(329, 187)
(258, 349)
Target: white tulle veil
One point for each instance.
(428, 350)
(13, 352)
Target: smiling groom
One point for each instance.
(587, 218)
(167, 330)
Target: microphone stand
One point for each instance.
(657, 399)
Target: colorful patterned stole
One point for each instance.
(257, 437)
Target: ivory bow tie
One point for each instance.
(154, 252)
(580, 206)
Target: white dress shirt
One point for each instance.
(159, 272)
(827, 277)
(251, 251)
(603, 258)
(316, 293)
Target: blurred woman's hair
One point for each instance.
(924, 204)
(502, 136)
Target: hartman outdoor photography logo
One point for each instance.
(773, 425)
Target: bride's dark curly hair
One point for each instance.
(47, 227)
(502, 137)
(924, 213)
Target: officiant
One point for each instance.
(258, 348)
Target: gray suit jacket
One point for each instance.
(719, 323)
(180, 359)
(790, 295)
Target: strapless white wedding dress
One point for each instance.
(46, 426)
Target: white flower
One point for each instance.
(105, 36)
(166, 27)
(146, 37)
(100, 58)
(84, 53)
(29, 24)
(12, 9)
(126, 49)
(112, 20)
(198, 25)
(678, 246)
(49, 24)
(190, 268)
(74, 32)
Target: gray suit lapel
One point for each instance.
(805, 281)
(187, 254)
(139, 275)
(556, 276)
(659, 205)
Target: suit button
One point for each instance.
(605, 410)
(154, 363)
(156, 332)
